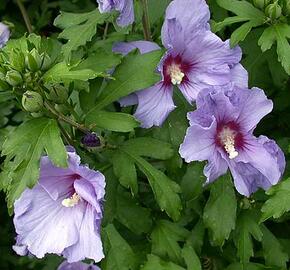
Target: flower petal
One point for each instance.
(130, 100)
(253, 106)
(239, 76)
(216, 167)
(143, 46)
(77, 266)
(199, 143)
(126, 16)
(155, 104)
(258, 156)
(183, 19)
(44, 225)
(89, 244)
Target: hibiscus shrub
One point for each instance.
(145, 134)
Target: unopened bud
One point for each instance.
(4, 86)
(58, 94)
(46, 62)
(261, 4)
(273, 11)
(32, 101)
(33, 60)
(13, 77)
(287, 7)
(93, 141)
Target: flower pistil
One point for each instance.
(71, 201)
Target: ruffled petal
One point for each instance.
(130, 100)
(239, 76)
(253, 106)
(126, 16)
(216, 167)
(44, 225)
(4, 34)
(77, 266)
(155, 104)
(199, 143)
(143, 46)
(247, 179)
(259, 158)
(89, 244)
(183, 19)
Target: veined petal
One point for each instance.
(199, 143)
(143, 46)
(239, 76)
(77, 266)
(155, 104)
(191, 16)
(44, 225)
(130, 100)
(89, 244)
(216, 167)
(253, 106)
(126, 16)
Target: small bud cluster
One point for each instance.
(22, 67)
(274, 9)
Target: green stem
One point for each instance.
(25, 16)
(65, 119)
(106, 31)
(146, 20)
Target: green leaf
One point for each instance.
(128, 212)
(24, 147)
(154, 262)
(100, 61)
(279, 201)
(241, 33)
(273, 250)
(191, 259)
(249, 266)
(193, 180)
(149, 147)
(62, 72)
(247, 227)
(245, 12)
(165, 240)
(278, 33)
(114, 121)
(125, 170)
(220, 210)
(119, 254)
(135, 73)
(78, 29)
(165, 190)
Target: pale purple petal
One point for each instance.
(239, 76)
(77, 266)
(89, 244)
(44, 225)
(257, 155)
(216, 167)
(130, 100)
(199, 143)
(143, 46)
(188, 17)
(253, 106)
(4, 34)
(154, 105)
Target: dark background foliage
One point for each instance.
(216, 228)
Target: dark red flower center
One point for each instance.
(229, 138)
(175, 70)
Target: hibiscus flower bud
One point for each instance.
(92, 140)
(32, 101)
(273, 11)
(261, 3)
(13, 77)
(287, 7)
(33, 60)
(57, 94)
(46, 62)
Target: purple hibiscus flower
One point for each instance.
(4, 34)
(77, 266)
(195, 59)
(62, 213)
(125, 7)
(221, 132)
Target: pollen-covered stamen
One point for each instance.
(227, 139)
(175, 73)
(72, 201)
